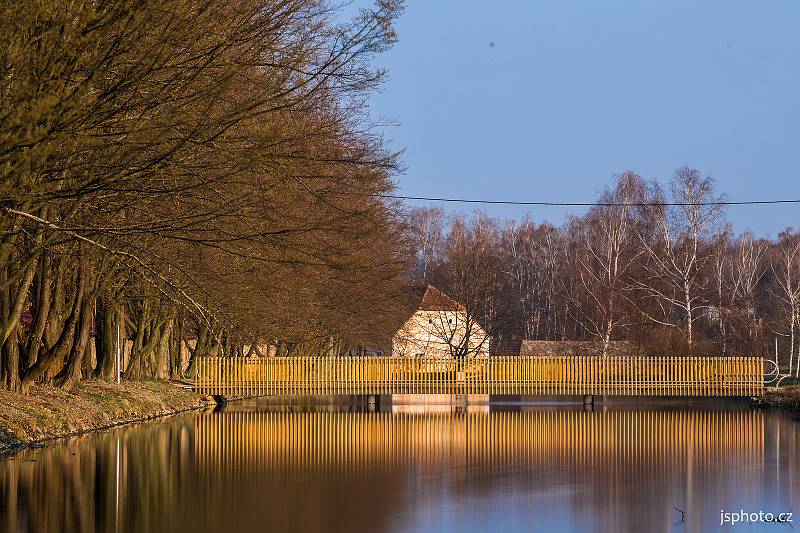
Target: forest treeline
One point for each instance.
(199, 169)
(657, 266)
(202, 177)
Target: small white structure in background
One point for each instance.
(577, 348)
(439, 327)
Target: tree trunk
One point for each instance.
(607, 337)
(87, 366)
(689, 318)
(161, 351)
(791, 339)
(16, 296)
(142, 349)
(105, 340)
(176, 348)
(11, 362)
(200, 348)
(41, 304)
(45, 365)
(71, 373)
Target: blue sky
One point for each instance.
(545, 101)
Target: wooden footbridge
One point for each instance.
(516, 375)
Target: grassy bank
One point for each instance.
(47, 413)
(786, 398)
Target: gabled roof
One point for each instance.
(425, 298)
(429, 298)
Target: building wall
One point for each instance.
(438, 334)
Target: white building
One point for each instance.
(439, 327)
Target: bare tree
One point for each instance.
(607, 250)
(675, 240)
(183, 167)
(427, 226)
(535, 265)
(785, 266)
(470, 271)
(670, 278)
(748, 270)
(723, 277)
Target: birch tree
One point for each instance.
(675, 241)
(748, 270)
(607, 251)
(427, 226)
(785, 266)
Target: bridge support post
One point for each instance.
(588, 401)
(374, 402)
(459, 399)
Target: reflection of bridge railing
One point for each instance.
(272, 441)
(630, 376)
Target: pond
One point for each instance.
(511, 467)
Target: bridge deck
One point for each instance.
(625, 376)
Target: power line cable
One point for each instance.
(571, 204)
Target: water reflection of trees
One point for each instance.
(306, 471)
(96, 483)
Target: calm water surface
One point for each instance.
(253, 468)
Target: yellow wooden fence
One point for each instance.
(520, 375)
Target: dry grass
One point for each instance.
(787, 398)
(47, 412)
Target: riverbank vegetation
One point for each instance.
(50, 412)
(658, 267)
(183, 168)
(785, 398)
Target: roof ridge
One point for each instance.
(435, 299)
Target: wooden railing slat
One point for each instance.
(612, 375)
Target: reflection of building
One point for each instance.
(439, 327)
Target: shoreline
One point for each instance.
(48, 413)
(785, 399)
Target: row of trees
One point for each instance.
(181, 169)
(202, 176)
(658, 268)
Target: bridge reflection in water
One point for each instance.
(621, 470)
(274, 441)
